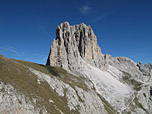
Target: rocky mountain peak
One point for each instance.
(90, 82)
(74, 44)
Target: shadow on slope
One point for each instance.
(58, 72)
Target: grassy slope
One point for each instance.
(18, 75)
(58, 72)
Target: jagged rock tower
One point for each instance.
(74, 46)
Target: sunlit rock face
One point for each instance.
(75, 45)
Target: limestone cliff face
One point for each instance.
(76, 46)
(73, 46)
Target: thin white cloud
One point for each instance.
(84, 9)
(102, 16)
(42, 28)
(10, 49)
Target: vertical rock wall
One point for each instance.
(74, 46)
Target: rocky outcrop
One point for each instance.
(148, 65)
(76, 46)
(144, 69)
(73, 46)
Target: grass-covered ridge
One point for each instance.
(57, 72)
(16, 73)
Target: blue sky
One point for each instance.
(123, 27)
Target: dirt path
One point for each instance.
(119, 111)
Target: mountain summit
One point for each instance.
(73, 46)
